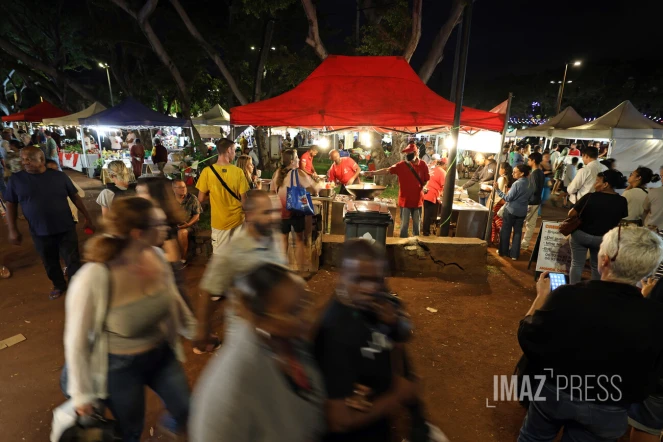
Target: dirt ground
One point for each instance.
(456, 350)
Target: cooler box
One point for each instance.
(367, 219)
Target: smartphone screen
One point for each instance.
(557, 279)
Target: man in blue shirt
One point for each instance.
(42, 193)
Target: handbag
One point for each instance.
(298, 200)
(500, 212)
(572, 223)
(68, 426)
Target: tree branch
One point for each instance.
(313, 38)
(437, 51)
(416, 30)
(36, 64)
(264, 50)
(147, 10)
(210, 51)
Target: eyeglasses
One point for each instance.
(619, 237)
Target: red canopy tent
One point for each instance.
(37, 113)
(351, 92)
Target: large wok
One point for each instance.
(365, 190)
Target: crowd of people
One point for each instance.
(280, 374)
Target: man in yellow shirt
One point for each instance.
(226, 186)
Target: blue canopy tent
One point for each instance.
(131, 114)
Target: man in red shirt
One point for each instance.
(432, 192)
(574, 151)
(306, 162)
(344, 171)
(412, 176)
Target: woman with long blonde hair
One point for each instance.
(245, 163)
(120, 175)
(123, 314)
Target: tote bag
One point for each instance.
(298, 200)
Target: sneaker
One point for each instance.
(514, 259)
(55, 294)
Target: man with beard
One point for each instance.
(254, 245)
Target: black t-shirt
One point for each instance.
(349, 351)
(597, 328)
(602, 213)
(536, 180)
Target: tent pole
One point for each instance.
(450, 182)
(497, 172)
(85, 162)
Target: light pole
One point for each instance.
(110, 89)
(561, 88)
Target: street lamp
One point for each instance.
(561, 88)
(110, 89)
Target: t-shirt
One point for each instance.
(409, 192)
(569, 173)
(574, 153)
(343, 172)
(243, 395)
(106, 196)
(536, 180)
(282, 192)
(350, 350)
(160, 154)
(654, 205)
(306, 163)
(435, 185)
(226, 210)
(636, 201)
(43, 198)
(603, 213)
(191, 206)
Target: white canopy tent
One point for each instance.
(635, 140)
(210, 123)
(72, 119)
(565, 119)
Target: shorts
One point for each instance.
(647, 416)
(296, 223)
(221, 237)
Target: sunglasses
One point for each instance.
(619, 237)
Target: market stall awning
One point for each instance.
(216, 116)
(565, 119)
(349, 92)
(72, 119)
(36, 113)
(131, 114)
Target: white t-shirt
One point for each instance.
(636, 201)
(584, 181)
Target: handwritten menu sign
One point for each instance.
(554, 250)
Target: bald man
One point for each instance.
(43, 193)
(344, 171)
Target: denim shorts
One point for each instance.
(647, 416)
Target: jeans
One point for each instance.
(514, 223)
(530, 225)
(405, 221)
(51, 248)
(580, 243)
(128, 375)
(483, 200)
(430, 215)
(582, 421)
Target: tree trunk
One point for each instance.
(38, 65)
(416, 30)
(143, 19)
(313, 38)
(260, 135)
(210, 51)
(264, 50)
(437, 51)
(381, 160)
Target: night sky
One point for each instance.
(520, 36)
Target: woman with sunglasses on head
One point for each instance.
(126, 298)
(637, 192)
(263, 385)
(599, 212)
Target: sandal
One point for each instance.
(55, 294)
(5, 273)
(211, 346)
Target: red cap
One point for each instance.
(411, 148)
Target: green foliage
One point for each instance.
(391, 35)
(259, 8)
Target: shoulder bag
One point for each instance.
(572, 223)
(223, 183)
(68, 426)
(414, 172)
(298, 200)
